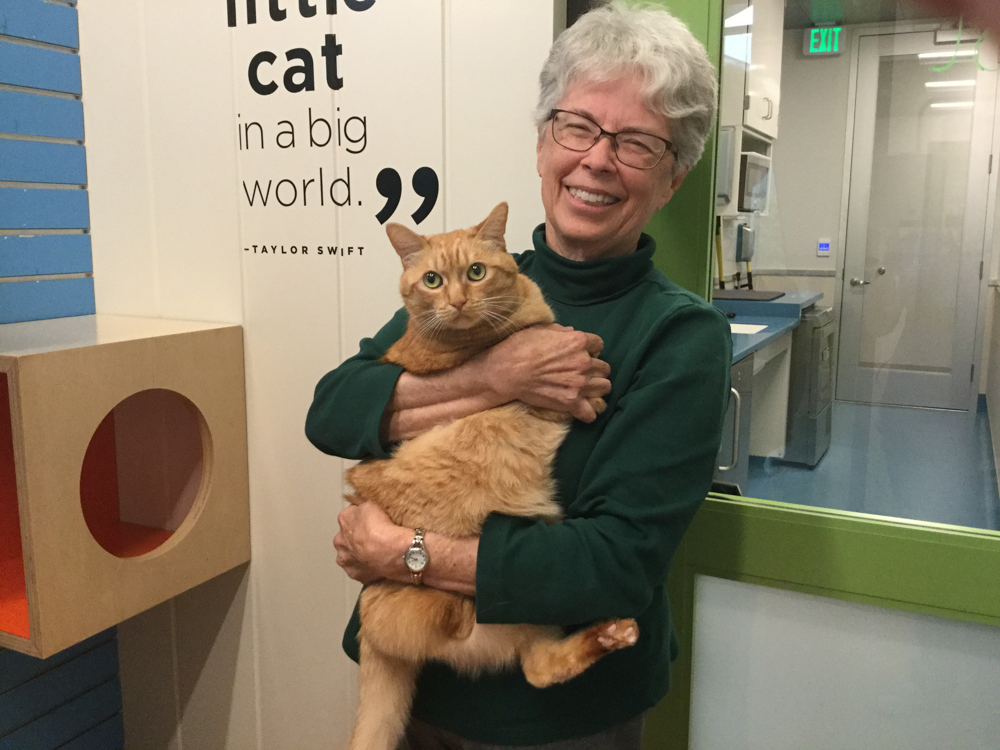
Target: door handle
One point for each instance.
(767, 116)
(859, 282)
(736, 433)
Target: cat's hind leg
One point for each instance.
(547, 661)
(386, 695)
(412, 622)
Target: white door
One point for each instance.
(916, 222)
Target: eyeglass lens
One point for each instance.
(579, 133)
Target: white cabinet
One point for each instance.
(763, 75)
(750, 90)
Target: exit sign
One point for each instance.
(823, 40)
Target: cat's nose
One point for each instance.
(458, 305)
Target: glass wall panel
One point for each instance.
(856, 258)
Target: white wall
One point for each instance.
(808, 171)
(252, 659)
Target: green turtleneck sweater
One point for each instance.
(629, 482)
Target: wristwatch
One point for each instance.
(416, 557)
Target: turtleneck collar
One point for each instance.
(576, 282)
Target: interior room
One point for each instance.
(874, 201)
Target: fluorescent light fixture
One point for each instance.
(743, 18)
(952, 105)
(950, 84)
(945, 55)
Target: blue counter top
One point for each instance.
(779, 317)
(790, 305)
(745, 344)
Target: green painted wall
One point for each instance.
(683, 229)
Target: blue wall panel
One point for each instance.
(37, 114)
(41, 208)
(68, 721)
(38, 68)
(107, 736)
(71, 701)
(33, 161)
(17, 668)
(42, 300)
(35, 698)
(45, 254)
(39, 21)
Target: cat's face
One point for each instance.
(460, 279)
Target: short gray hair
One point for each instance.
(622, 38)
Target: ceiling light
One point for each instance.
(952, 105)
(950, 84)
(940, 55)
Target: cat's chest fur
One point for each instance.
(454, 475)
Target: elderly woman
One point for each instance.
(627, 96)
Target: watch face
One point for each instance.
(416, 559)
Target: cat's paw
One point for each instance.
(616, 634)
(598, 404)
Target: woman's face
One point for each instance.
(595, 206)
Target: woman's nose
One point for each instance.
(602, 154)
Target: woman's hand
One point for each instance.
(370, 546)
(552, 367)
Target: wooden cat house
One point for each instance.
(123, 470)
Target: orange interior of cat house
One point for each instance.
(123, 470)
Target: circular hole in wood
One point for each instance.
(142, 472)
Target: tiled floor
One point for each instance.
(923, 464)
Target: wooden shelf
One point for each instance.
(123, 470)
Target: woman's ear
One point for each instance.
(669, 187)
(406, 242)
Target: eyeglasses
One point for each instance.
(633, 148)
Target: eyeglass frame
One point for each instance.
(613, 136)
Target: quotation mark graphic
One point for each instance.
(390, 186)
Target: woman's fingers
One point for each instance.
(370, 546)
(595, 344)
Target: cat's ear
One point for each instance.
(406, 242)
(493, 228)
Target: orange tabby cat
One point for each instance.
(464, 294)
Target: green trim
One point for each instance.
(913, 566)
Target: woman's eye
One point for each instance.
(635, 144)
(432, 280)
(476, 271)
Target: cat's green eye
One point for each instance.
(476, 272)
(432, 279)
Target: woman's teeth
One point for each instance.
(595, 198)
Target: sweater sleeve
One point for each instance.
(349, 401)
(639, 489)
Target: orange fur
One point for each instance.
(451, 477)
